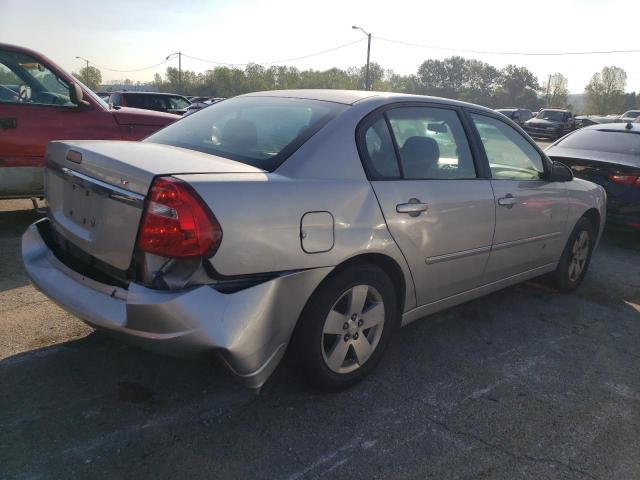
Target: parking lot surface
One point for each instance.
(523, 383)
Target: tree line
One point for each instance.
(454, 77)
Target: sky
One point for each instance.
(127, 35)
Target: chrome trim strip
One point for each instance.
(116, 193)
(456, 255)
(522, 241)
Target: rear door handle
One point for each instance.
(507, 201)
(413, 208)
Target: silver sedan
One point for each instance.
(314, 222)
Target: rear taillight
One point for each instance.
(177, 223)
(625, 179)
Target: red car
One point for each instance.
(40, 102)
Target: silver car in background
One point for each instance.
(311, 221)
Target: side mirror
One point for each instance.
(75, 94)
(561, 173)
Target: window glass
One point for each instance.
(259, 131)
(552, 115)
(177, 103)
(25, 80)
(432, 143)
(115, 99)
(381, 156)
(609, 141)
(510, 155)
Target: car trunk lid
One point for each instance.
(96, 190)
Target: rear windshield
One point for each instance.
(609, 141)
(258, 131)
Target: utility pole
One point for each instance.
(367, 81)
(87, 62)
(548, 86)
(179, 54)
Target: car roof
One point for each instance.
(554, 110)
(350, 97)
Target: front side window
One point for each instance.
(24, 80)
(432, 143)
(510, 155)
(259, 131)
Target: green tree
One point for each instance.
(90, 76)
(517, 87)
(605, 91)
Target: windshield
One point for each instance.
(610, 141)
(259, 131)
(553, 115)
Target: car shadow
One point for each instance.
(12, 226)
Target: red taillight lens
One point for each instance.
(176, 222)
(625, 179)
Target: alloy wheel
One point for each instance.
(352, 329)
(580, 252)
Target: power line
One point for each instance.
(490, 52)
(332, 49)
(129, 71)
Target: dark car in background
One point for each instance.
(159, 102)
(608, 155)
(550, 123)
(518, 115)
(588, 120)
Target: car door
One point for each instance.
(35, 108)
(437, 206)
(531, 211)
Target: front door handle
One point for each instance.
(414, 207)
(507, 201)
(8, 122)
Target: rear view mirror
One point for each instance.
(437, 127)
(561, 173)
(76, 96)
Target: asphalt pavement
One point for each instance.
(523, 383)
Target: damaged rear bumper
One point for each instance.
(248, 329)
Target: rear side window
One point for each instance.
(259, 131)
(432, 143)
(609, 141)
(380, 154)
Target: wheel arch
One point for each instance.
(593, 215)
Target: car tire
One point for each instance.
(575, 258)
(331, 346)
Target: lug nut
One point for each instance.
(353, 317)
(347, 337)
(345, 326)
(360, 322)
(355, 336)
